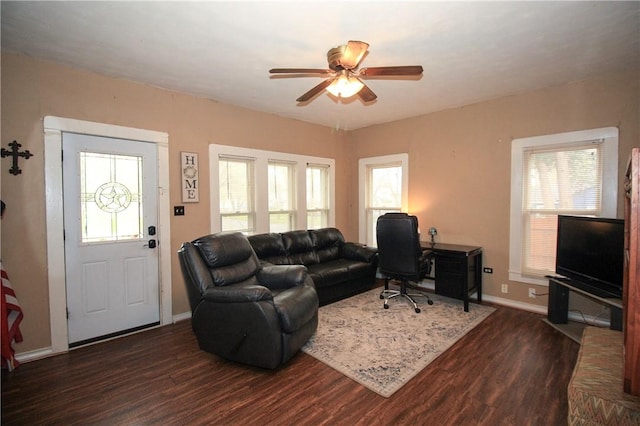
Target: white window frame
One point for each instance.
(324, 211)
(363, 165)
(609, 135)
(261, 205)
(250, 212)
(291, 212)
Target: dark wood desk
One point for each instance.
(458, 270)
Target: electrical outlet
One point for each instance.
(532, 293)
(505, 288)
(178, 210)
(487, 270)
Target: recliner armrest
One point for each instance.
(279, 277)
(356, 251)
(237, 293)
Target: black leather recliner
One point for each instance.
(243, 311)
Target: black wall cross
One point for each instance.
(15, 170)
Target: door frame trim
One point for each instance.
(53, 129)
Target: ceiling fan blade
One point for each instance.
(353, 54)
(384, 71)
(315, 90)
(299, 71)
(367, 94)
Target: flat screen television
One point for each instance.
(590, 254)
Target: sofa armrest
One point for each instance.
(239, 293)
(356, 251)
(279, 277)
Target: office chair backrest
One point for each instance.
(398, 245)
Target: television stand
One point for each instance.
(558, 309)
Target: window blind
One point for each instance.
(558, 180)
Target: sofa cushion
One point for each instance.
(359, 270)
(338, 271)
(596, 392)
(300, 248)
(327, 243)
(270, 248)
(329, 273)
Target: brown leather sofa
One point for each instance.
(338, 269)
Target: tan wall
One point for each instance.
(460, 160)
(33, 89)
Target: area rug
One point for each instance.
(383, 349)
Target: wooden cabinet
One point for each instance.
(458, 270)
(631, 292)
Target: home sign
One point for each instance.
(189, 166)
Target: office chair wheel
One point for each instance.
(430, 302)
(386, 306)
(417, 310)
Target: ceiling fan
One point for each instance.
(344, 76)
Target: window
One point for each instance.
(255, 191)
(236, 194)
(570, 173)
(282, 212)
(110, 197)
(383, 189)
(317, 196)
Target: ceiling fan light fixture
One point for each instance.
(344, 73)
(345, 86)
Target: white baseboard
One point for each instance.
(430, 285)
(573, 315)
(181, 317)
(515, 304)
(35, 355)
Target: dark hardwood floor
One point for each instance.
(512, 369)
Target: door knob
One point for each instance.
(151, 244)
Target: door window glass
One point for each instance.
(110, 197)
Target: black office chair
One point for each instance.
(400, 256)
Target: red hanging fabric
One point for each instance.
(11, 317)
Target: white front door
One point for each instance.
(110, 219)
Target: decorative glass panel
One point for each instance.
(110, 197)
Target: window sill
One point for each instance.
(518, 277)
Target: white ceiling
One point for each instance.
(470, 51)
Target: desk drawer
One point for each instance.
(454, 276)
